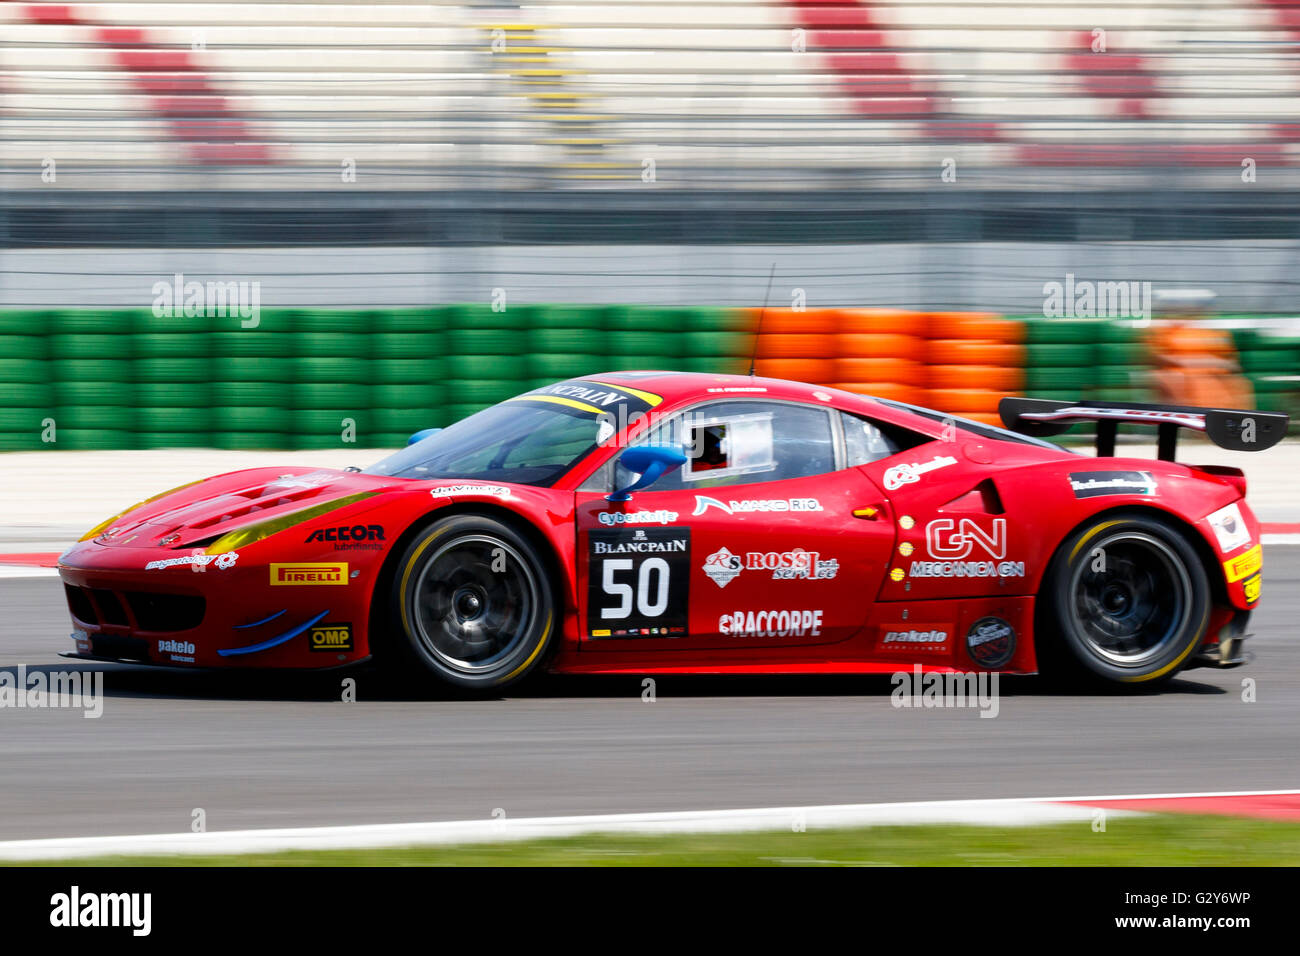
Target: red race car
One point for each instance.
(673, 523)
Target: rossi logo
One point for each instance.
(722, 567)
(789, 565)
(945, 538)
(910, 472)
(330, 637)
(309, 574)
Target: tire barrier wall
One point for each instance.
(308, 378)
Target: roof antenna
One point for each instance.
(753, 356)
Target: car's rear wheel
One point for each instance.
(1127, 601)
(472, 604)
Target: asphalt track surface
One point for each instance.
(284, 751)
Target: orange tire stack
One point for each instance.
(974, 359)
(881, 352)
(1199, 366)
(796, 345)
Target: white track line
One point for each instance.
(26, 571)
(1287, 538)
(1015, 812)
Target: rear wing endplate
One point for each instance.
(1234, 429)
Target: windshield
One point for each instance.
(514, 441)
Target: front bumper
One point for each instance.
(232, 616)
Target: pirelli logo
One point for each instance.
(319, 573)
(1244, 565)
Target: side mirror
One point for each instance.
(422, 434)
(650, 462)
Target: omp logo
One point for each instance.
(1244, 565)
(945, 538)
(309, 574)
(358, 532)
(330, 637)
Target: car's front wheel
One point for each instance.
(471, 603)
(1127, 601)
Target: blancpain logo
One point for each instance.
(910, 472)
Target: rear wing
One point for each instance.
(1234, 429)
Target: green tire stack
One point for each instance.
(565, 341)
(94, 378)
(171, 370)
(487, 352)
(329, 388)
(308, 378)
(410, 368)
(26, 381)
(720, 341)
(1095, 359)
(252, 377)
(1272, 364)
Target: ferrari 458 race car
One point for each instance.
(675, 523)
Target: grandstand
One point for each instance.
(735, 94)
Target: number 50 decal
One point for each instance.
(638, 582)
(652, 578)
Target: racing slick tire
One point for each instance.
(472, 603)
(1126, 601)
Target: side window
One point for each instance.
(866, 441)
(737, 443)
